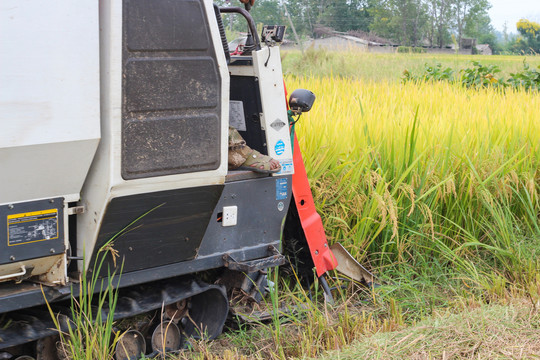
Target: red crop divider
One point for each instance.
(311, 222)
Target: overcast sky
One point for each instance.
(510, 11)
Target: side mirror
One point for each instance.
(301, 100)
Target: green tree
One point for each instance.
(407, 22)
(478, 25)
(401, 20)
(440, 15)
(268, 12)
(345, 15)
(466, 12)
(384, 23)
(529, 39)
(303, 15)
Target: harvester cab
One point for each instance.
(113, 151)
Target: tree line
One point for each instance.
(435, 23)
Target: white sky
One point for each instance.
(510, 11)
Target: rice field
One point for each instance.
(381, 67)
(427, 178)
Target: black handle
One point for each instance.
(249, 19)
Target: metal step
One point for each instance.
(275, 259)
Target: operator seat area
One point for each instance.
(245, 106)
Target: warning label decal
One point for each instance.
(282, 187)
(277, 124)
(32, 226)
(236, 115)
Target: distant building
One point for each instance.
(484, 49)
(334, 40)
(467, 43)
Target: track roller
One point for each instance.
(166, 337)
(176, 311)
(130, 346)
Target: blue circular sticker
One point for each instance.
(280, 147)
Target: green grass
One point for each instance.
(481, 332)
(377, 67)
(90, 332)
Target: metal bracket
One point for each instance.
(275, 259)
(9, 276)
(76, 210)
(348, 265)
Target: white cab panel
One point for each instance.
(105, 180)
(49, 97)
(268, 69)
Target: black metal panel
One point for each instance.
(262, 205)
(31, 229)
(170, 232)
(246, 89)
(166, 25)
(178, 145)
(27, 294)
(171, 85)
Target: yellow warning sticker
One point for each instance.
(32, 226)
